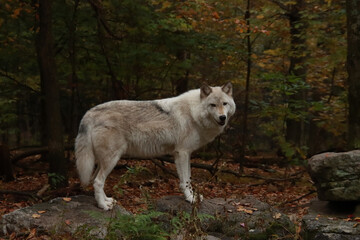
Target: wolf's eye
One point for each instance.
(225, 103)
(212, 105)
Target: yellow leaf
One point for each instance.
(67, 199)
(272, 52)
(242, 209)
(35, 215)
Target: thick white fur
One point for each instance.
(146, 129)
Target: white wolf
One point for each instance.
(147, 129)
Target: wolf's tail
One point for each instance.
(84, 153)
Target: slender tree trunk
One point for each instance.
(295, 128)
(244, 136)
(182, 83)
(353, 69)
(50, 95)
(74, 115)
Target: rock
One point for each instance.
(330, 221)
(336, 175)
(246, 218)
(60, 216)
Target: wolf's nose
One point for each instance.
(222, 118)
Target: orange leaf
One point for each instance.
(16, 13)
(216, 15)
(67, 199)
(41, 211)
(67, 222)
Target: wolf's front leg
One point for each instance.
(182, 162)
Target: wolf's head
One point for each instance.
(218, 102)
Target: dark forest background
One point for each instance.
(295, 67)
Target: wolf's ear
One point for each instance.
(205, 91)
(227, 88)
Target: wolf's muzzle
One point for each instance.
(222, 119)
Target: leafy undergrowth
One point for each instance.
(134, 183)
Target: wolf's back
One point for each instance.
(85, 158)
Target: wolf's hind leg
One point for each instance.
(106, 166)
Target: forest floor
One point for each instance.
(135, 183)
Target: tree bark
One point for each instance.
(6, 169)
(295, 127)
(244, 136)
(183, 81)
(353, 69)
(50, 94)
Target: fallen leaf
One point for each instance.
(67, 222)
(32, 234)
(356, 224)
(35, 215)
(277, 215)
(67, 199)
(242, 209)
(242, 224)
(12, 235)
(41, 211)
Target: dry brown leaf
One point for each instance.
(32, 234)
(35, 215)
(42, 211)
(277, 216)
(67, 222)
(67, 199)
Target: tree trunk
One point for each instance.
(353, 69)
(295, 127)
(183, 81)
(6, 169)
(244, 136)
(50, 95)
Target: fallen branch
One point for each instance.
(34, 151)
(28, 194)
(299, 198)
(42, 190)
(165, 169)
(210, 168)
(228, 171)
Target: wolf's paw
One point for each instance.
(108, 204)
(192, 198)
(110, 200)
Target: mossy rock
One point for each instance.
(246, 218)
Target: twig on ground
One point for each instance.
(42, 190)
(164, 168)
(299, 198)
